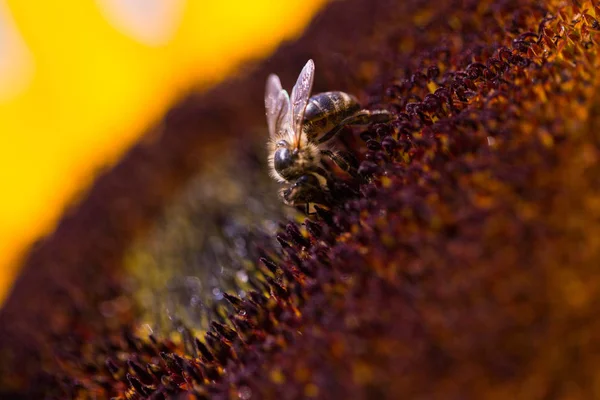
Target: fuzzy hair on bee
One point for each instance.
(300, 127)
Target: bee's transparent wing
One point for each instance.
(277, 106)
(300, 96)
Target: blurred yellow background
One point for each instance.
(80, 81)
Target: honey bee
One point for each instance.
(300, 127)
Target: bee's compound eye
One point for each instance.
(283, 159)
(282, 143)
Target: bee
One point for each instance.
(299, 129)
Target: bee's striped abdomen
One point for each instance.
(325, 111)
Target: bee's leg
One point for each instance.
(306, 190)
(345, 161)
(362, 117)
(349, 157)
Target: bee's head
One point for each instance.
(285, 159)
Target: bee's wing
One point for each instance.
(277, 106)
(300, 96)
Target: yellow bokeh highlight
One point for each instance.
(95, 89)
